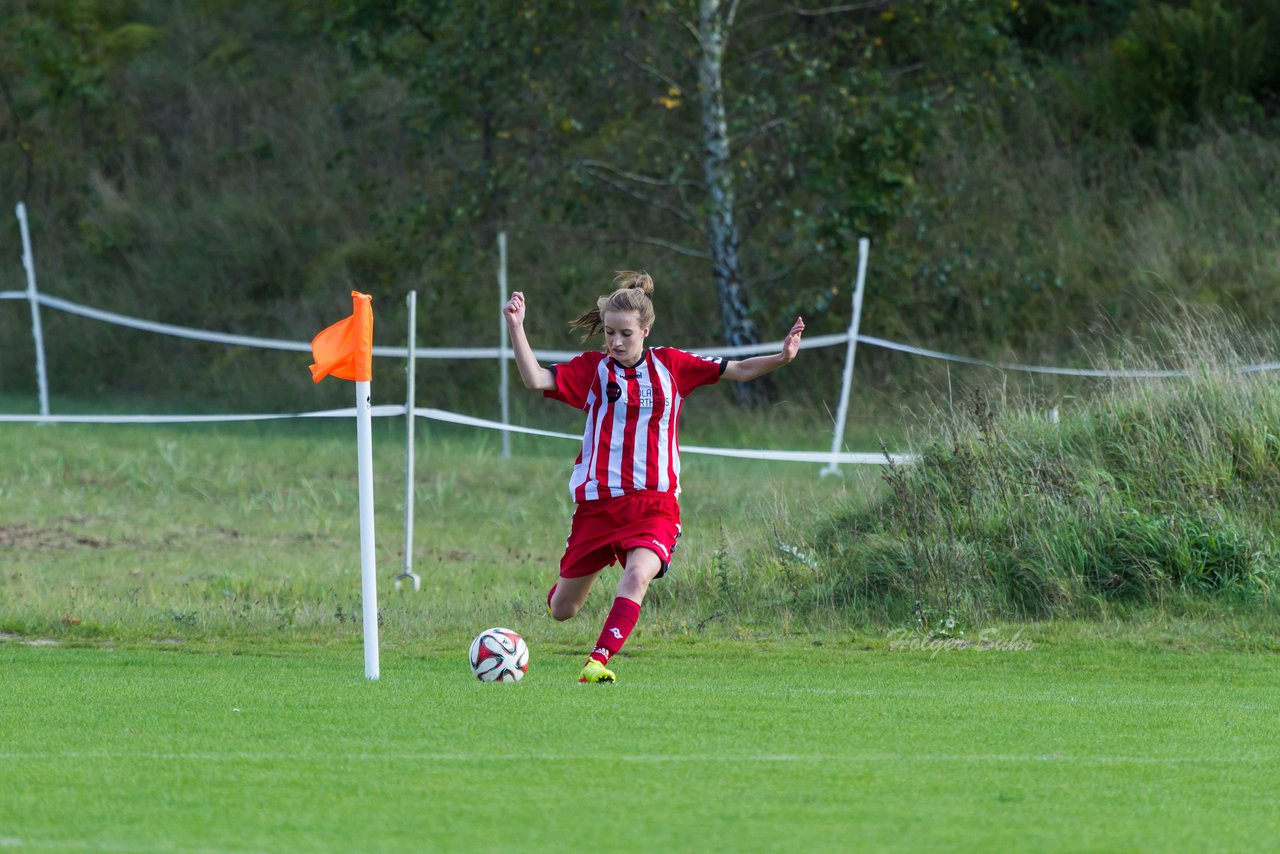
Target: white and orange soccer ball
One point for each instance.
(499, 655)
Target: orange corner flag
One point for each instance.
(345, 349)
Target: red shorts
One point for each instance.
(605, 530)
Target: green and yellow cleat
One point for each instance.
(594, 671)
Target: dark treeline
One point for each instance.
(1029, 173)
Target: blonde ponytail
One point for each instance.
(632, 293)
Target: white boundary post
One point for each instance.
(33, 297)
(410, 422)
(864, 249)
(504, 394)
(368, 558)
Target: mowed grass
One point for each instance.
(702, 746)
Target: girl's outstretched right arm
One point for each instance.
(534, 375)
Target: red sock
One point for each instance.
(617, 628)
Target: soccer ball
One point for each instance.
(499, 655)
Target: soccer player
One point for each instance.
(627, 477)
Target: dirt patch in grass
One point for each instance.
(57, 536)
(26, 641)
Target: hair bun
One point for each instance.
(627, 279)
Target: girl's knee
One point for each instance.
(562, 611)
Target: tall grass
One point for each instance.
(1153, 493)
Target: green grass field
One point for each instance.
(703, 746)
(181, 671)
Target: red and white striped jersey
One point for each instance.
(633, 414)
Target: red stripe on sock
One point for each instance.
(617, 628)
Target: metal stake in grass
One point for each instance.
(410, 422)
(842, 415)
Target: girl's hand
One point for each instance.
(749, 369)
(791, 344)
(514, 309)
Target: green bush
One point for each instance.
(1147, 494)
(1173, 66)
(1056, 27)
(1139, 555)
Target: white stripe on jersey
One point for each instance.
(594, 487)
(584, 474)
(618, 434)
(677, 402)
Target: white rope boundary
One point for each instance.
(380, 411)
(391, 410)
(565, 355)
(394, 409)
(788, 456)
(393, 352)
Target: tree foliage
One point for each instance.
(829, 112)
(58, 67)
(226, 164)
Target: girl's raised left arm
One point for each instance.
(749, 369)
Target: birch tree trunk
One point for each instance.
(715, 20)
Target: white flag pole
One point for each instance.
(503, 393)
(368, 567)
(864, 246)
(33, 296)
